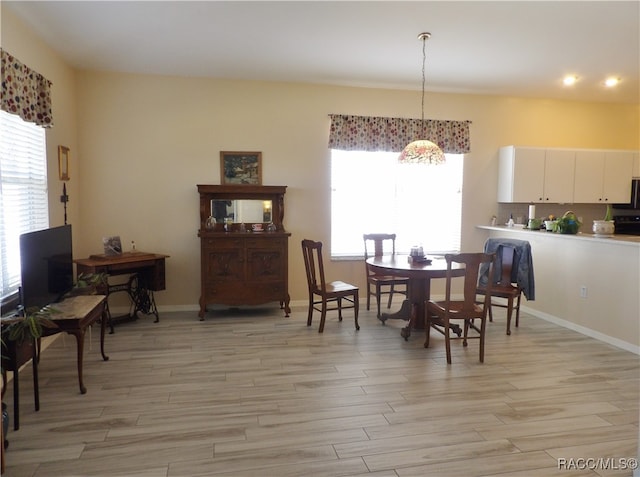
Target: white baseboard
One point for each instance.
(583, 330)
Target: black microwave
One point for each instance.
(634, 203)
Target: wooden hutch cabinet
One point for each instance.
(240, 265)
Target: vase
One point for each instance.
(603, 227)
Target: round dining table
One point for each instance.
(419, 274)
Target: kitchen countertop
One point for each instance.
(632, 240)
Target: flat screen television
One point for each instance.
(46, 260)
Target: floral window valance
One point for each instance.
(25, 92)
(366, 133)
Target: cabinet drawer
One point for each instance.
(225, 242)
(266, 242)
(226, 293)
(275, 290)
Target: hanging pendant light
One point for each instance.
(422, 151)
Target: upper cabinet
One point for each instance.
(603, 176)
(535, 175)
(545, 175)
(559, 166)
(521, 180)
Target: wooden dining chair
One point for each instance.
(325, 296)
(378, 284)
(513, 277)
(504, 288)
(439, 314)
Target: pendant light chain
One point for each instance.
(424, 76)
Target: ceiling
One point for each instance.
(509, 48)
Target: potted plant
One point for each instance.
(32, 325)
(568, 223)
(606, 226)
(551, 223)
(90, 284)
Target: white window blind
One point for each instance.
(23, 192)
(372, 193)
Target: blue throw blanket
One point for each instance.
(522, 272)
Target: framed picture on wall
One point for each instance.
(244, 168)
(63, 163)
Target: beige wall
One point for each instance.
(141, 144)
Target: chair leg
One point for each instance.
(518, 310)
(482, 333)
(391, 290)
(310, 315)
(378, 298)
(339, 309)
(466, 333)
(447, 339)
(490, 311)
(509, 313)
(356, 308)
(427, 328)
(323, 315)
(369, 296)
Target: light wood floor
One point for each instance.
(255, 394)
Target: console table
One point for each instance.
(147, 274)
(72, 315)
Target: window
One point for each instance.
(23, 192)
(372, 193)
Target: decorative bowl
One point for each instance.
(603, 227)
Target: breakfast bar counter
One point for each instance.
(523, 233)
(583, 282)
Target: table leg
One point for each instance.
(412, 309)
(16, 400)
(36, 387)
(79, 334)
(103, 328)
(404, 313)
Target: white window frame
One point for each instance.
(372, 193)
(24, 204)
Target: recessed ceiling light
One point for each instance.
(569, 80)
(611, 82)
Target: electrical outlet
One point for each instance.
(583, 291)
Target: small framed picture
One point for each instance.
(63, 163)
(112, 245)
(241, 168)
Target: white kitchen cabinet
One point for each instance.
(535, 175)
(521, 174)
(603, 176)
(559, 176)
(559, 168)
